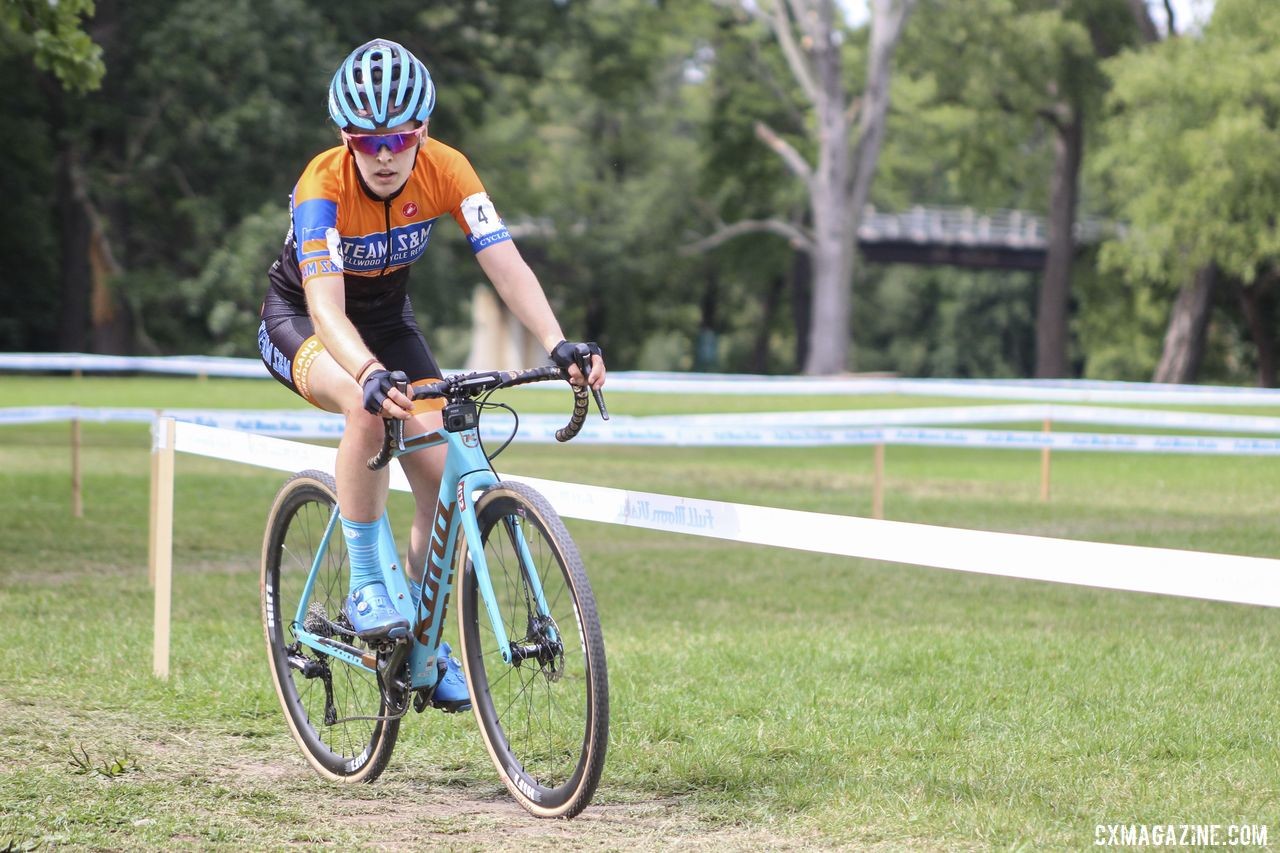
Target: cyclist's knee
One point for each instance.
(360, 422)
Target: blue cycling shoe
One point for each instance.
(373, 616)
(451, 690)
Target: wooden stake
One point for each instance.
(877, 488)
(162, 544)
(1044, 467)
(77, 496)
(155, 485)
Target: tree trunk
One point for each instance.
(87, 249)
(829, 322)
(801, 304)
(1147, 31)
(1055, 291)
(830, 318)
(1257, 316)
(841, 184)
(768, 314)
(73, 324)
(706, 357)
(1188, 322)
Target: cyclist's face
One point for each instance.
(385, 172)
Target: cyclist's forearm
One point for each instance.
(326, 304)
(520, 290)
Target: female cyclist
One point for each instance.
(337, 321)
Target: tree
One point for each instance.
(67, 63)
(1193, 156)
(845, 137)
(53, 34)
(1035, 64)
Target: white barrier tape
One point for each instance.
(285, 422)
(316, 424)
(1103, 442)
(1189, 574)
(1024, 413)
(541, 429)
(250, 449)
(90, 363)
(1061, 390)
(57, 414)
(1064, 390)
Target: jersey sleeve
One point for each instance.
(475, 212)
(314, 209)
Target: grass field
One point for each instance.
(762, 698)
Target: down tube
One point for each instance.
(480, 566)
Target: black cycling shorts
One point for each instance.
(289, 346)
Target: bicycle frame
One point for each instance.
(467, 472)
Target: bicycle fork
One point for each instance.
(513, 528)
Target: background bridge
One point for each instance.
(964, 237)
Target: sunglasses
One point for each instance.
(372, 143)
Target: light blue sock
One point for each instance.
(362, 551)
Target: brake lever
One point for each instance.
(396, 426)
(393, 429)
(582, 356)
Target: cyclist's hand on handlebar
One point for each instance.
(381, 397)
(573, 357)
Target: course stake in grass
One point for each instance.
(162, 541)
(877, 483)
(1044, 466)
(77, 497)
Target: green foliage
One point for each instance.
(1119, 325)
(926, 322)
(227, 294)
(108, 768)
(612, 134)
(1190, 161)
(51, 31)
(29, 298)
(598, 157)
(1193, 153)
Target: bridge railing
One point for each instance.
(1014, 229)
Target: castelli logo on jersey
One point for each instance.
(409, 208)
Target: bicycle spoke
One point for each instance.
(543, 716)
(330, 688)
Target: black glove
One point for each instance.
(376, 387)
(566, 353)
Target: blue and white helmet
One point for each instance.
(380, 85)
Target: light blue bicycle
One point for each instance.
(530, 638)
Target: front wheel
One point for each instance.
(335, 709)
(544, 717)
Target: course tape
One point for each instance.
(1188, 574)
(728, 431)
(1056, 390)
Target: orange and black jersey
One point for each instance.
(339, 226)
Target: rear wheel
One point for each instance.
(332, 707)
(544, 717)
